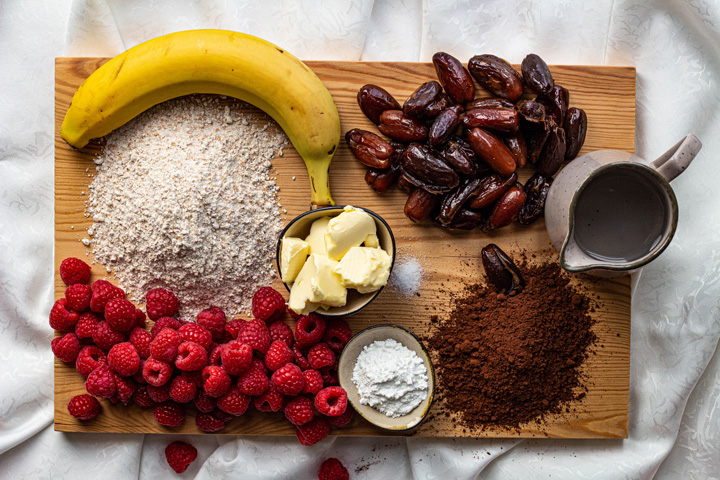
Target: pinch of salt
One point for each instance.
(406, 276)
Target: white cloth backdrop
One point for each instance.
(675, 370)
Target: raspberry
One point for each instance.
(124, 359)
(169, 414)
(105, 336)
(102, 292)
(280, 331)
(141, 397)
(254, 381)
(213, 319)
(320, 355)
(300, 358)
(73, 270)
(223, 416)
(278, 355)
(182, 390)
(86, 324)
(66, 348)
(139, 318)
(164, 322)
(161, 302)
(84, 407)
(89, 358)
(299, 410)
(164, 346)
(234, 401)
(331, 401)
(208, 423)
(191, 357)
(204, 402)
(192, 332)
(214, 353)
(78, 296)
(216, 381)
(256, 334)
(268, 304)
(313, 431)
(270, 401)
(313, 382)
(309, 330)
(62, 317)
(337, 333)
(330, 375)
(233, 327)
(180, 455)
(332, 469)
(157, 372)
(159, 394)
(343, 419)
(289, 379)
(101, 382)
(120, 314)
(124, 388)
(140, 339)
(236, 357)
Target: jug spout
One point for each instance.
(673, 162)
(574, 259)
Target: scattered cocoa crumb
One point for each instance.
(504, 361)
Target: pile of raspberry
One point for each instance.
(218, 367)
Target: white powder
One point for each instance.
(390, 378)
(406, 276)
(183, 199)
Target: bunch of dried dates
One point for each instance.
(457, 155)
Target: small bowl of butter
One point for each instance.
(335, 260)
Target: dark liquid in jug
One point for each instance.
(620, 216)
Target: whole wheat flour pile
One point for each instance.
(183, 199)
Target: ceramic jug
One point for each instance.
(610, 212)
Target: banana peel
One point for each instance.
(214, 62)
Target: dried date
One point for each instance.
(492, 188)
(575, 130)
(507, 208)
(445, 125)
(535, 127)
(403, 128)
(503, 120)
(427, 170)
(454, 201)
(374, 100)
(556, 103)
(536, 190)
(501, 270)
(553, 152)
(420, 204)
(467, 220)
(458, 153)
(489, 102)
(370, 149)
(517, 146)
(536, 74)
(492, 151)
(454, 77)
(422, 98)
(497, 76)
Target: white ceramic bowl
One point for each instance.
(300, 227)
(346, 364)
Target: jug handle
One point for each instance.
(673, 162)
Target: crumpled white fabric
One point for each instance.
(675, 368)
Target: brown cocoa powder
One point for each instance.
(503, 361)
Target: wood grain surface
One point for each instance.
(450, 259)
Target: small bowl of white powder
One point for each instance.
(388, 376)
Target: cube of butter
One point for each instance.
(317, 284)
(293, 253)
(364, 269)
(316, 237)
(349, 229)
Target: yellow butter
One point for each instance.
(316, 238)
(347, 230)
(293, 253)
(364, 269)
(372, 241)
(317, 284)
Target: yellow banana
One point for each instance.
(219, 62)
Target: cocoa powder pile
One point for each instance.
(503, 361)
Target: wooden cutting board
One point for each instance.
(450, 259)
